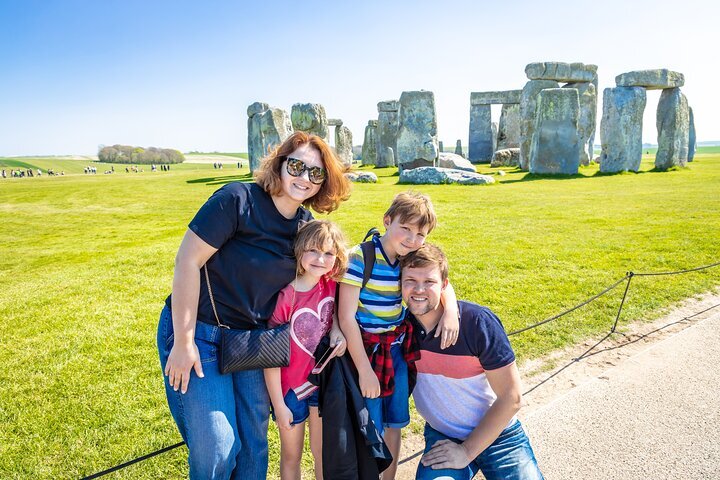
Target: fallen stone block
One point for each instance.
(438, 176)
(506, 157)
(362, 177)
(454, 161)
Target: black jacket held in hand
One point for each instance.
(352, 446)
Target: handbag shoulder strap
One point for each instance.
(212, 300)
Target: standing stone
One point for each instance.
(586, 122)
(369, 147)
(275, 127)
(387, 131)
(673, 125)
(591, 142)
(458, 148)
(494, 129)
(621, 129)
(555, 142)
(528, 106)
(509, 129)
(692, 137)
(310, 118)
(480, 142)
(441, 148)
(417, 130)
(343, 145)
(255, 143)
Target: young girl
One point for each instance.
(308, 303)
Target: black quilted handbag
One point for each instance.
(251, 349)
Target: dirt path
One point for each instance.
(567, 378)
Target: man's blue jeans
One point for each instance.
(510, 457)
(222, 418)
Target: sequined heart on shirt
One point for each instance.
(308, 326)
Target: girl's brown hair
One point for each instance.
(319, 234)
(335, 188)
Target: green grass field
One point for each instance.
(87, 262)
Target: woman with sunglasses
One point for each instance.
(244, 234)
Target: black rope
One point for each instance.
(645, 335)
(570, 310)
(136, 460)
(407, 459)
(677, 272)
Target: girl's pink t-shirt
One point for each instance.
(312, 317)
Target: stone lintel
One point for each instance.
(657, 79)
(388, 106)
(561, 71)
(495, 98)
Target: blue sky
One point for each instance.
(75, 74)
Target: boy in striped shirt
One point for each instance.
(372, 318)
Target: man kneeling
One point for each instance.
(468, 393)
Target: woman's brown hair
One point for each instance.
(335, 188)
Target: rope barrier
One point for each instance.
(133, 461)
(535, 325)
(628, 276)
(677, 272)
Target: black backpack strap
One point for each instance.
(368, 250)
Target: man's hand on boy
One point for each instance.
(446, 454)
(449, 328)
(284, 418)
(369, 384)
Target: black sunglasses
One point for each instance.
(296, 167)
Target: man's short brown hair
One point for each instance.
(413, 207)
(426, 256)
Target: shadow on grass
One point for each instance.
(223, 180)
(530, 177)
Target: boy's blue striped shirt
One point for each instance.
(380, 307)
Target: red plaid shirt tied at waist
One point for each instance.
(377, 348)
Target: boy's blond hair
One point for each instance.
(413, 207)
(318, 234)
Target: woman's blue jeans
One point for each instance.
(222, 418)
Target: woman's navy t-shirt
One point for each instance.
(255, 257)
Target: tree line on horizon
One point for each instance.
(139, 155)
